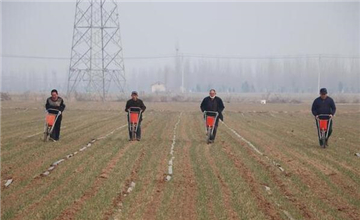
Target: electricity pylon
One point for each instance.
(96, 53)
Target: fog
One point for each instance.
(234, 47)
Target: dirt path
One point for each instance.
(152, 181)
(71, 212)
(226, 195)
(118, 201)
(160, 182)
(182, 188)
(268, 208)
(300, 168)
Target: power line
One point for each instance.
(68, 58)
(307, 56)
(189, 55)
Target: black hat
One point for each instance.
(323, 91)
(134, 93)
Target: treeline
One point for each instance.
(295, 75)
(276, 75)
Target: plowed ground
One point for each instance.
(225, 180)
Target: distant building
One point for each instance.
(158, 87)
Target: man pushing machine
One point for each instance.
(323, 108)
(134, 107)
(212, 107)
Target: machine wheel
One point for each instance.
(323, 139)
(47, 133)
(45, 136)
(133, 133)
(208, 135)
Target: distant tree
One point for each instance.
(340, 87)
(245, 87)
(198, 88)
(252, 88)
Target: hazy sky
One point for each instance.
(45, 28)
(153, 28)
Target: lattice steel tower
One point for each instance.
(96, 53)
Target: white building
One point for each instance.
(158, 87)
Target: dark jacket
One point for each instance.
(138, 103)
(323, 106)
(58, 104)
(215, 105)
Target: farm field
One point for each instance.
(264, 164)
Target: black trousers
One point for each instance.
(56, 131)
(330, 130)
(138, 132)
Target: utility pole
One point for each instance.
(180, 66)
(319, 72)
(182, 74)
(96, 54)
